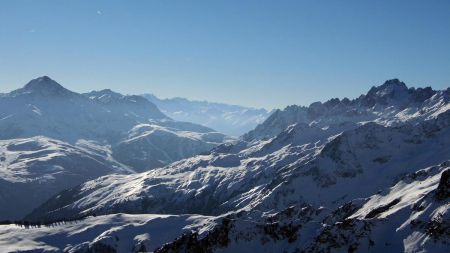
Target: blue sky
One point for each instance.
(257, 53)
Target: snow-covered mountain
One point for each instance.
(52, 139)
(33, 169)
(265, 177)
(369, 174)
(155, 145)
(233, 120)
(45, 108)
(391, 103)
(410, 216)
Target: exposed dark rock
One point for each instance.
(443, 190)
(382, 209)
(438, 228)
(217, 238)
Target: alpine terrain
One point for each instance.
(52, 139)
(370, 174)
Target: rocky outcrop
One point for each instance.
(443, 190)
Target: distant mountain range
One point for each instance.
(233, 120)
(371, 174)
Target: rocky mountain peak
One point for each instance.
(389, 88)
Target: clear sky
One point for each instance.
(257, 53)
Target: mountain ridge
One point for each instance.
(126, 133)
(376, 104)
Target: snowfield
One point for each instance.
(34, 169)
(121, 232)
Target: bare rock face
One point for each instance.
(443, 190)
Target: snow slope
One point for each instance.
(232, 120)
(408, 217)
(367, 158)
(118, 232)
(412, 215)
(152, 145)
(33, 169)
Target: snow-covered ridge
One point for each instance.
(412, 215)
(33, 169)
(267, 177)
(408, 217)
(53, 139)
(392, 103)
(152, 146)
(45, 108)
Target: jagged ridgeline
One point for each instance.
(368, 174)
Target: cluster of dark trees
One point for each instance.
(38, 224)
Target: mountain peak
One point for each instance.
(392, 89)
(389, 87)
(44, 86)
(394, 83)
